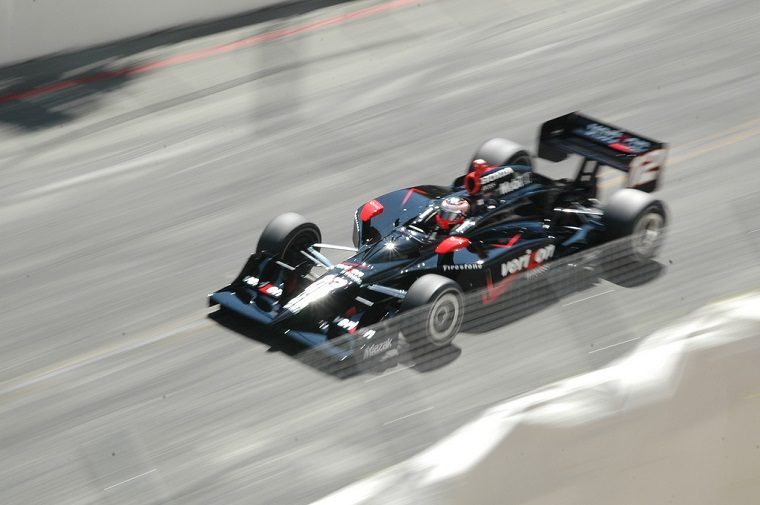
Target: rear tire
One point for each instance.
(501, 152)
(286, 235)
(638, 221)
(437, 307)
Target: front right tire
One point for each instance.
(500, 152)
(436, 311)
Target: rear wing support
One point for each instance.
(586, 177)
(604, 144)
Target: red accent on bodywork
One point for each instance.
(511, 242)
(371, 209)
(264, 288)
(472, 183)
(495, 291)
(452, 244)
(410, 193)
(472, 180)
(480, 166)
(445, 224)
(620, 147)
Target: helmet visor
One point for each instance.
(450, 215)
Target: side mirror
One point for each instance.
(451, 244)
(371, 209)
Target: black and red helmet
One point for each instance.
(453, 211)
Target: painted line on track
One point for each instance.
(387, 374)
(130, 479)
(614, 345)
(428, 409)
(589, 297)
(208, 52)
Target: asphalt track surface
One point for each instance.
(124, 201)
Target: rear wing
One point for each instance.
(641, 157)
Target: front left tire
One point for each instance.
(286, 235)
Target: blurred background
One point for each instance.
(137, 176)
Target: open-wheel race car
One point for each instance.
(420, 249)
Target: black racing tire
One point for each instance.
(636, 221)
(286, 235)
(498, 151)
(436, 307)
(355, 234)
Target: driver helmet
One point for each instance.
(452, 212)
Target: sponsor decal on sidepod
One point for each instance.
(375, 349)
(465, 266)
(529, 259)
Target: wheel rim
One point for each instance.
(646, 235)
(443, 319)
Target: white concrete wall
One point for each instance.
(677, 422)
(34, 28)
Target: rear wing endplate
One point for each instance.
(641, 157)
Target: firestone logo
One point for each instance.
(466, 266)
(530, 259)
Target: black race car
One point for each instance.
(419, 249)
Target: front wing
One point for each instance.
(366, 343)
